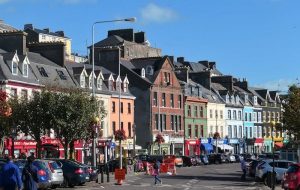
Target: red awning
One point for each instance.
(279, 144)
(259, 140)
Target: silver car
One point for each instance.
(56, 175)
(265, 166)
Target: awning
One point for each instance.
(279, 144)
(206, 147)
(225, 147)
(130, 147)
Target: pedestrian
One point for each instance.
(243, 167)
(10, 176)
(29, 175)
(156, 166)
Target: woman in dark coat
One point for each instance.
(29, 175)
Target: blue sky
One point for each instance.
(254, 39)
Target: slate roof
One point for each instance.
(6, 27)
(40, 31)
(198, 67)
(110, 41)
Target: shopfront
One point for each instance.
(258, 145)
(206, 147)
(21, 147)
(268, 144)
(192, 147)
(234, 142)
(176, 145)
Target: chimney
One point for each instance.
(60, 33)
(46, 30)
(140, 37)
(28, 26)
(182, 73)
(12, 41)
(212, 65)
(52, 51)
(226, 81)
(242, 84)
(180, 59)
(126, 34)
(204, 63)
(171, 59)
(203, 78)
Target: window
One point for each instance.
(129, 108)
(164, 124)
(216, 113)
(246, 132)
(235, 133)
(43, 72)
(240, 133)
(229, 131)
(13, 92)
(165, 77)
(264, 116)
(196, 131)
(234, 114)
(269, 116)
(82, 80)
(176, 123)
(179, 101)
(121, 107)
(195, 111)
(113, 107)
(254, 131)
(221, 114)
(155, 98)
(189, 111)
(129, 129)
(14, 68)
(229, 114)
(61, 75)
(240, 115)
(99, 83)
(201, 112)
(156, 122)
(24, 94)
(210, 113)
(172, 122)
(201, 131)
(172, 100)
(278, 116)
(259, 131)
(250, 130)
(250, 116)
(179, 122)
(163, 99)
(122, 127)
(114, 126)
(125, 86)
(246, 116)
(25, 70)
(254, 116)
(189, 134)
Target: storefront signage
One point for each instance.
(233, 141)
(25, 143)
(176, 139)
(204, 140)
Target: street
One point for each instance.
(224, 176)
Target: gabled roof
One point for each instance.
(110, 41)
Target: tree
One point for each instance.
(5, 120)
(159, 139)
(74, 112)
(34, 116)
(291, 112)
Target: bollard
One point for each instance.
(107, 173)
(102, 176)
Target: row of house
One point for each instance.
(186, 102)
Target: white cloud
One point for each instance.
(3, 1)
(282, 84)
(154, 13)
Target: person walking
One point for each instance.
(29, 175)
(156, 166)
(243, 167)
(10, 176)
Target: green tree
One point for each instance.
(34, 116)
(291, 112)
(75, 111)
(5, 119)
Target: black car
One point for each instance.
(92, 171)
(197, 159)
(215, 159)
(74, 174)
(187, 161)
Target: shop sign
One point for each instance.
(204, 141)
(233, 141)
(25, 143)
(176, 139)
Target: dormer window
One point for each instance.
(82, 80)
(255, 100)
(25, 70)
(14, 68)
(149, 70)
(125, 87)
(227, 98)
(143, 73)
(232, 99)
(99, 83)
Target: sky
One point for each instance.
(254, 39)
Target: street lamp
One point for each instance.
(273, 166)
(93, 71)
(13, 136)
(134, 132)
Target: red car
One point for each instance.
(291, 179)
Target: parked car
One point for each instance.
(44, 176)
(74, 174)
(56, 174)
(197, 160)
(187, 161)
(229, 158)
(215, 159)
(92, 171)
(265, 166)
(251, 169)
(178, 161)
(204, 159)
(193, 160)
(291, 178)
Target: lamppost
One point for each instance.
(273, 166)
(134, 132)
(93, 72)
(13, 135)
